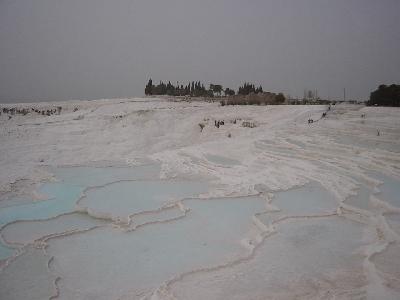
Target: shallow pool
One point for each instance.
(308, 200)
(121, 233)
(62, 198)
(119, 190)
(137, 262)
(119, 200)
(221, 160)
(389, 190)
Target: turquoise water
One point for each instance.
(299, 259)
(309, 199)
(119, 190)
(62, 198)
(62, 195)
(389, 190)
(137, 261)
(27, 278)
(169, 241)
(361, 199)
(121, 199)
(26, 232)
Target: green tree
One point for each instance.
(216, 88)
(149, 88)
(385, 96)
(246, 89)
(229, 92)
(280, 98)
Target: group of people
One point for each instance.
(13, 111)
(48, 112)
(23, 111)
(249, 124)
(219, 123)
(310, 121)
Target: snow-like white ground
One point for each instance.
(335, 244)
(282, 151)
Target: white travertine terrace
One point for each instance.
(291, 210)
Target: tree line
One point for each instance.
(385, 95)
(248, 88)
(197, 89)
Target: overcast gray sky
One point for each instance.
(90, 49)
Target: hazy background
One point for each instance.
(88, 49)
